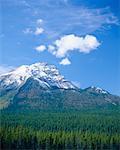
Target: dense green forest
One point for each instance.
(87, 129)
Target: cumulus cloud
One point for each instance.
(51, 49)
(38, 31)
(72, 42)
(40, 48)
(65, 61)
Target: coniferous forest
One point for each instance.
(59, 75)
(84, 130)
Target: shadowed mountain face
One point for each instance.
(40, 86)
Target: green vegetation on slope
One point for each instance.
(60, 130)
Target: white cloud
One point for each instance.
(72, 42)
(80, 19)
(51, 49)
(40, 48)
(38, 31)
(65, 61)
(4, 69)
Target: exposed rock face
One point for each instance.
(41, 86)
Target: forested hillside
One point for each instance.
(87, 129)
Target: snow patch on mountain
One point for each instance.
(44, 73)
(99, 90)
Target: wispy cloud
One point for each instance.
(68, 27)
(5, 68)
(78, 20)
(28, 31)
(39, 21)
(23, 3)
(63, 18)
(38, 31)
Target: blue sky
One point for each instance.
(81, 37)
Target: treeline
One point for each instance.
(107, 122)
(24, 138)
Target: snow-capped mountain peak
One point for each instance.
(47, 74)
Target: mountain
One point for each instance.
(41, 86)
(47, 77)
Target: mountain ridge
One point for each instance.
(38, 70)
(42, 86)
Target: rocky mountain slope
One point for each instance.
(41, 86)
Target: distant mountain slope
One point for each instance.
(40, 86)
